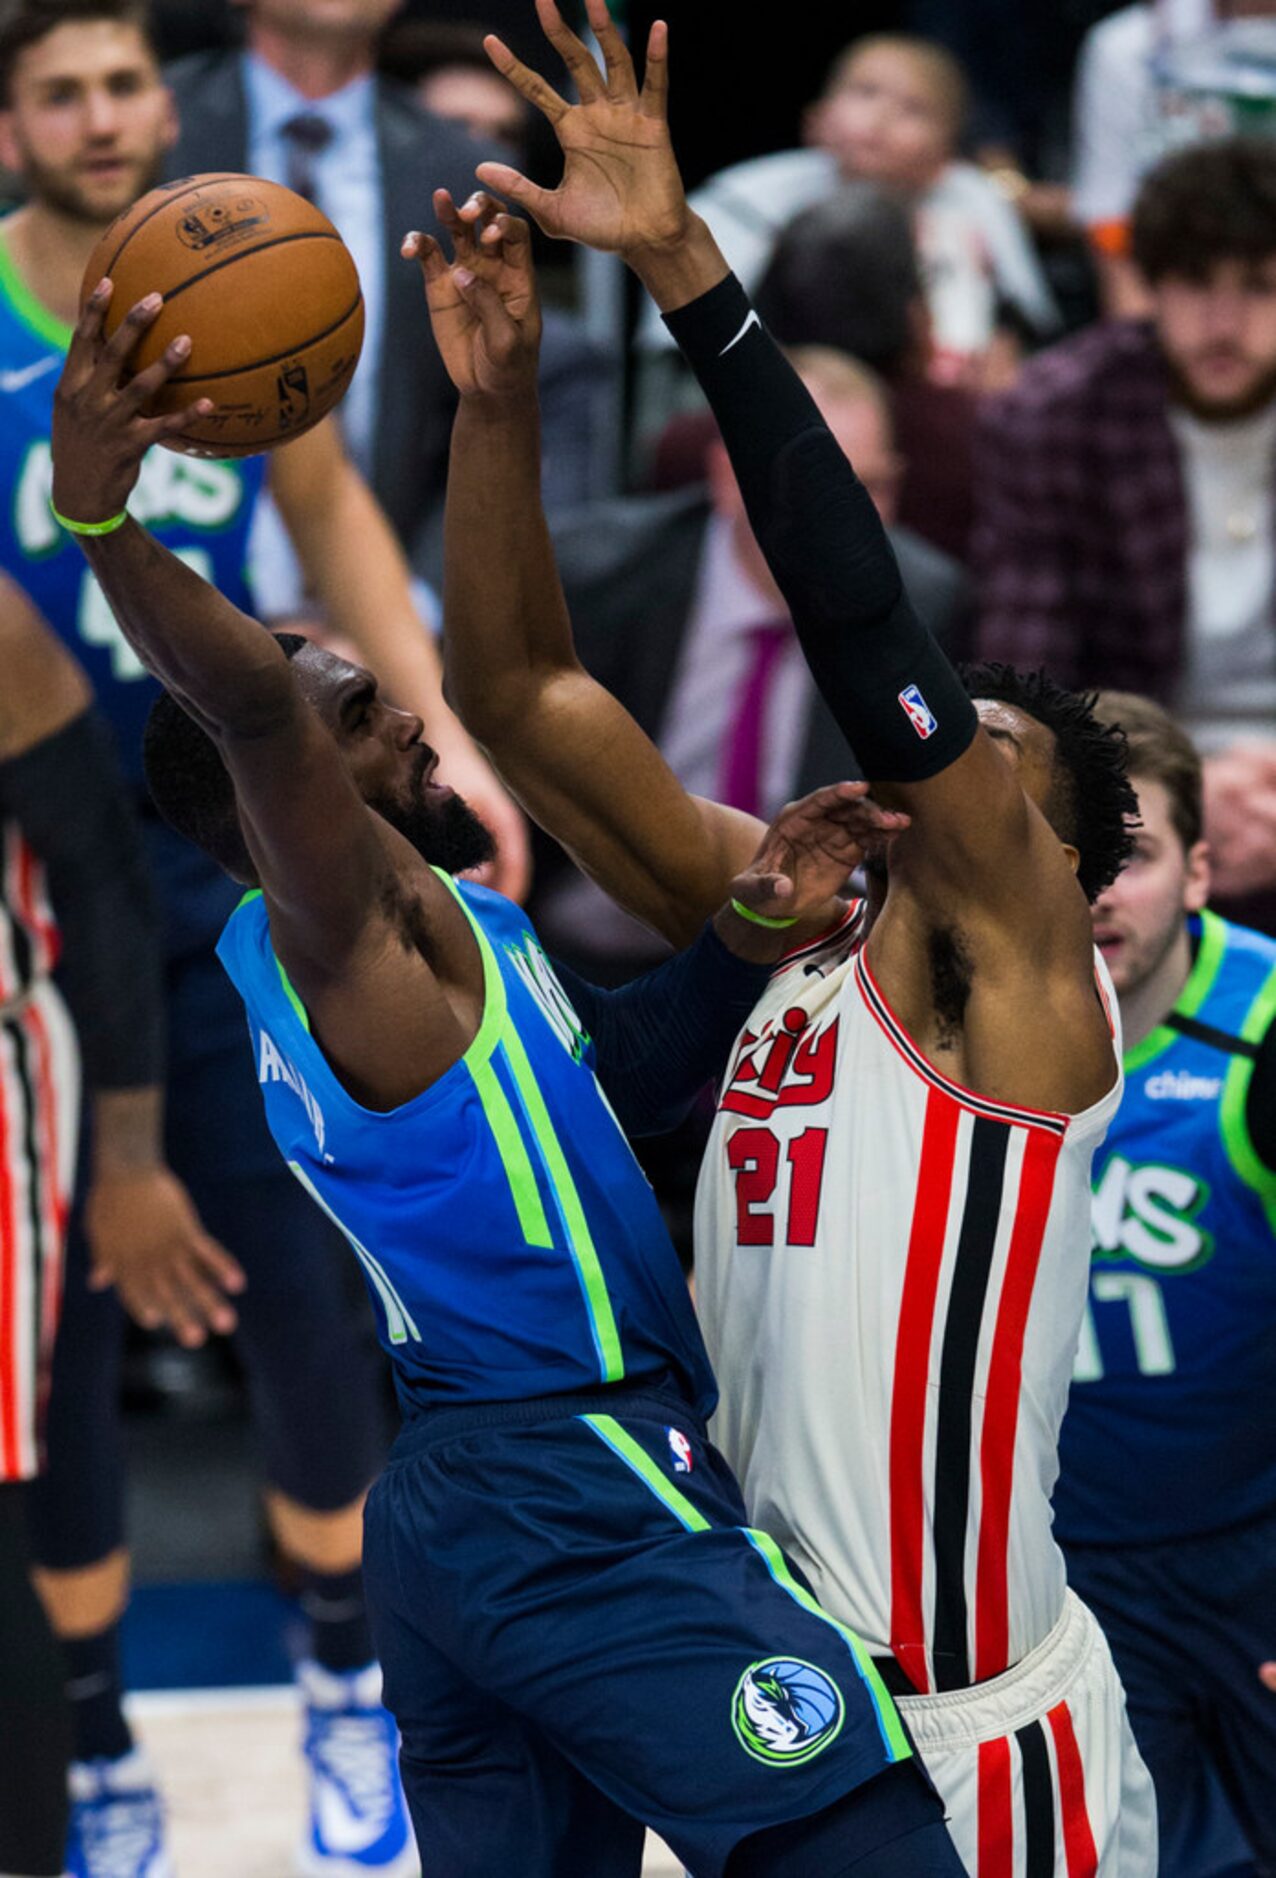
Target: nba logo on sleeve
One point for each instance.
(918, 712)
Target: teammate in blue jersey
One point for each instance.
(1166, 1501)
(579, 1631)
(85, 123)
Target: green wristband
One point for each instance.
(90, 528)
(760, 919)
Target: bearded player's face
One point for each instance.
(88, 119)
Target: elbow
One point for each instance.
(486, 703)
(265, 701)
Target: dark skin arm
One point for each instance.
(570, 751)
(980, 865)
(353, 909)
(144, 1234)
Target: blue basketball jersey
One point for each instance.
(510, 1241)
(201, 510)
(1169, 1430)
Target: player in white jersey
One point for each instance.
(895, 1232)
(72, 895)
(893, 1404)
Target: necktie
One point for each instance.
(306, 137)
(740, 784)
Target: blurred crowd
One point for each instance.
(1024, 258)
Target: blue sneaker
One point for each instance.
(359, 1821)
(117, 1821)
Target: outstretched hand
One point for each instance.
(621, 189)
(100, 428)
(811, 847)
(483, 304)
(146, 1239)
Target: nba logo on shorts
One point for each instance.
(918, 712)
(680, 1448)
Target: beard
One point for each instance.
(446, 833)
(61, 191)
(1256, 397)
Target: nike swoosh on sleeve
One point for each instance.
(750, 320)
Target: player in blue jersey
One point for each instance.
(579, 1631)
(1166, 1501)
(85, 124)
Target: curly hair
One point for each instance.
(1209, 203)
(1092, 807)
(191, 786)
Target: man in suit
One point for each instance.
(1125, 508)
(303, 104)
(676, 613)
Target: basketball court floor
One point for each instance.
(228, 1763)
(208, 1648)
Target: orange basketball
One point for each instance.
(266, 289)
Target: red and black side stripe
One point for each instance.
(19, 1049)
(953, 1460)
(1038, 1801)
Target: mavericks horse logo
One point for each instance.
(785, 1711)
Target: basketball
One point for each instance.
(265, 287)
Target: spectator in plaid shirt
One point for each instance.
(1125, 530)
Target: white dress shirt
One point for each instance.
(348, 190)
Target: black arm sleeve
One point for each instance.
(660, 1039)
(896, 698)
(69, 799)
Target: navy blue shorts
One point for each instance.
(579, 1632)
(1189, 1623)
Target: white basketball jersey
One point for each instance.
(891, 1273)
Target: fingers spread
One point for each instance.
(621, 81)
(526, 82)
(143, 386)
(571, 50)
(655, 79)
(116, 352)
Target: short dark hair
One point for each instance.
(1093, 806)
(1160, 750)
(189, 783)
(25, 23)
(845, 273)
(1210, 203)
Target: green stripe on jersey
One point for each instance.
(501, 1119)
(1200, 982)
(602, 1318)
(1235, 1130)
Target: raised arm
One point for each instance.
(305, 825)
(571, 753)
(977, 843)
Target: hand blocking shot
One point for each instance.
(554, 1529)
(893, 1220)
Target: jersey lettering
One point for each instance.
(198, 491)
(792, 1067)
(1147, 1213)
(273, 1066)
(536, 972)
